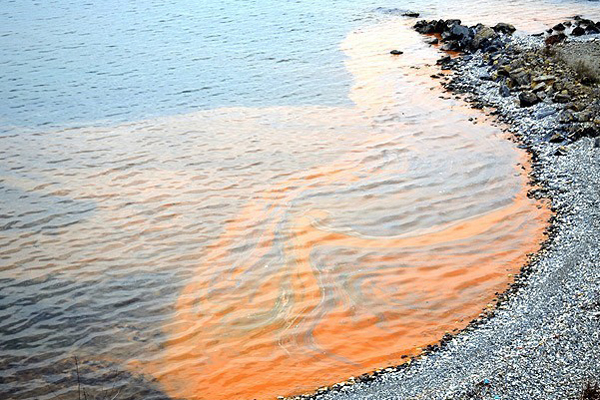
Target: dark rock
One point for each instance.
(425, 27)
(450, 22)
(559, 27)
(561, 98)
(459, 31)
(597, 143)
(411, 14)
(504, 28)
(483, 36)
(432, 40)
(396, 52)
(451, 45)
(589, 130)
(504, 90)
(557, 138)
(592, 29)
(444, 60)
(561, 151)
(520, 77)
(528, 99)
(554, 39)
(578, 31)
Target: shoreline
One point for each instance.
(541, 338)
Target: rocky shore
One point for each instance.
(542, 339)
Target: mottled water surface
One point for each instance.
(237, 199)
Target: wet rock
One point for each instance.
(528, 99)
(396, 52)
(444, 60)
(559, 27)
(557, 138)
(578, 31)
(425, 27)
(432, 41)
(451, 45)
(504, 28)
(411, 14)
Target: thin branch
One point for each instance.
(78, 380)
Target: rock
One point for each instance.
(559, 27)
(583, 116)
(450, 22)
(504, 90)
(528, 99)
(443, 60)
(587, 131)
(545, 112)
(544, 78)
(396, 52)
(432, 40)
(504, 28)
(561, 151)
(561, 98)
(565, 117)
(539, 86)
(425, 27)
(557, 138)
(520, 77)
(459, 32)
(578, 31)
(592, 29)
(411, 14)
(597, 143)
(484, 76)
(555, 39)
(451, 45)
(483, 36)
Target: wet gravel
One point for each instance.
(543, 340)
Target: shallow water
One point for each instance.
(243, 202)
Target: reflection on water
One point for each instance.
(248, 252)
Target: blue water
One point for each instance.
(70, 62)
(65, 62)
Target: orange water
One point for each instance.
(310, 299)
(241, 253)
